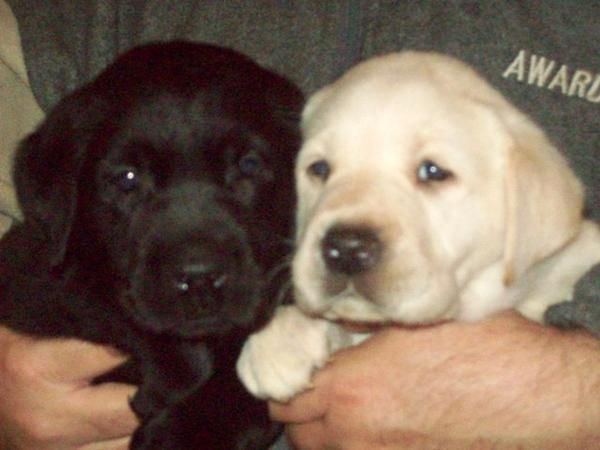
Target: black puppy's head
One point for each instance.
(169, 178)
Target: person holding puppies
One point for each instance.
(504, 383)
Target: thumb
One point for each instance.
(306, 407)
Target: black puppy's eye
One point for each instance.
(127, 180)
(249, 165)
(319, 169)
(429, 171)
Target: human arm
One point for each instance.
(502, 383)
(47, 402)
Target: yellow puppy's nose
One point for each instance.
(351, 250)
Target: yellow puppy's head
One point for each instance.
(422, 194)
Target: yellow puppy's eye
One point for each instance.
(429, 171)
(319, 169)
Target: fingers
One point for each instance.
(115, 444)
(56, 360)
(307, 436)
(306, 407)
(105, 411)
(71, 360)
(46, 395)
(64, 418)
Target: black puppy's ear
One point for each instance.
(47, 167)
(287, 100)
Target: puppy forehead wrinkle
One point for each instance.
(198, 149)
(393, 142)
(398, 82)
(448, 74)
(166, 115)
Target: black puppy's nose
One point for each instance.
(200, 278)
(351, 250)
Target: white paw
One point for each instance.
(278, 362)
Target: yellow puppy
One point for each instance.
(424, 195)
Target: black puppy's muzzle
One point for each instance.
(192, 265)
(195, 278)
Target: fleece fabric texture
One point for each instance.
(545, 56)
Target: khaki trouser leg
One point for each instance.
(19, 112)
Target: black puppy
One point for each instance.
(157, 207)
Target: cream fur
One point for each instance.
(506, 231)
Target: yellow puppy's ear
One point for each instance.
(544, 198)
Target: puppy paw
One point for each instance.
(278, 362)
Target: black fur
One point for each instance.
(157, 208)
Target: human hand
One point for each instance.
(502, 383)
(47, 402)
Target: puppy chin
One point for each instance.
(353, 310)
(347, 306)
